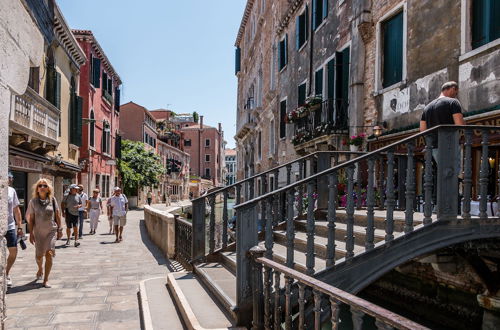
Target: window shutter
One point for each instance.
(314, 8)
(331, 89)
(494, 20)
(306, 23)
(393, 50)
(345, 74)
(78, 121)
(325, 8)
(118, 147)
(280, 64)
(57, 89)
(96, 64)
(237, 60)
(286, 49)
(117, 99)
(50, 84)
(110, 86)
(282, 119)
(318, 82)
(104, 82)
(91, 69)
(297, 32)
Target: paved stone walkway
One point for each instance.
(94, 286)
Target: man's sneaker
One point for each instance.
(67, 242)
(9, 282)
(77, 244)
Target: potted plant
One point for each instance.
(356, 141)
(314, 102)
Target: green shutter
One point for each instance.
(118, 147)
(117, 99)
(49, 85)
(494, 20)
(78, 121)
(393, 50)
(110, 87)
(325, 9)
(282, 119)
(479, 21)
(57, 89)
(331, 88)
(302, 90)
(345, 74)
(96, 72)
(318, 82)
(237, 60)
(286, 49)
(91, 68)
(297, 33)
(104, 82)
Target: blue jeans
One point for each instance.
(80, 218)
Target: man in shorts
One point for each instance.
(14, 216)
(118, 207)
(70, 205)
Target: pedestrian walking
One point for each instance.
(118, 207)
(44, 223)
(13, 217)
(149, 197)
(71, 203)
(82, 211)
(94, 207)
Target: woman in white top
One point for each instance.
(94, 208)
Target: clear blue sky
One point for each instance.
(175, 54)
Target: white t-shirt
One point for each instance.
(118, 204)
(13, 202)
(84, 198)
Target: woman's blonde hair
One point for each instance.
(50, 189)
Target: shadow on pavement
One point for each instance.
(155, 251)
(33, 285)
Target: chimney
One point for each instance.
(201, 122)
(220, 127)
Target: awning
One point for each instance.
(70, 166)
(15, 151)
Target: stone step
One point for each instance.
(157, 306)
(320, 242)
(321, 230)
(379, 218)
(220, 281)
(196, 305)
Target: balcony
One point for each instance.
(246, 123)
(34, 122)
(316, 123)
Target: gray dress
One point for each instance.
(45, 226)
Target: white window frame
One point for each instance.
(207, 155)
(466, 50)
(379, 49)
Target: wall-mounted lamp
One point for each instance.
(491, 160)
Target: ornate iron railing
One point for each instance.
(387, 176)
(183, 237)
(270, 310)
(219, 217)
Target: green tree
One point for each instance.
(138, 167)
(196, 117)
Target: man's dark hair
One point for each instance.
(448, 85)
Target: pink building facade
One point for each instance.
(205, 145)
(100, 90)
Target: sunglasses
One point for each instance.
(42, 186)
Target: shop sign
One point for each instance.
(23, 164)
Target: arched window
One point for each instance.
(92, 129)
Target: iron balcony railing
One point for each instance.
(32, 112)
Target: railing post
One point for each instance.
(484, 177)
(467, 175)
(370, 206)
(211, 233)
(332, 218)
(324, 163)
(391, 199)
(428, 182)
(238, 194)
(246, 238)
(257, 288)
(410, 189)
(225, 218)
(198, 243)
(447, 176)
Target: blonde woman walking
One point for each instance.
(94, 208)
(44, 221)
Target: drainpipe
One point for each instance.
(200, 164)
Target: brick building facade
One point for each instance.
(100, 90)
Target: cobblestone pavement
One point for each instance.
(94, 286)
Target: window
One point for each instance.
(259, 145)
(106, 139)
(207, 142)
(237, 60)
(75, 115)
(92, 129)
(320, 12)
(207, 173)
(187, 143)
(34, 79)
(107, 86)
(282, 119)
(283, 52)
(272, 83)
(392, 41)
(318, 82)
(301, 24)
(342, 85)
(207, 158)
(330, 88)
(271, 138)
(302, 91)
(97, 181)
(95, 72)
(485, 22)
